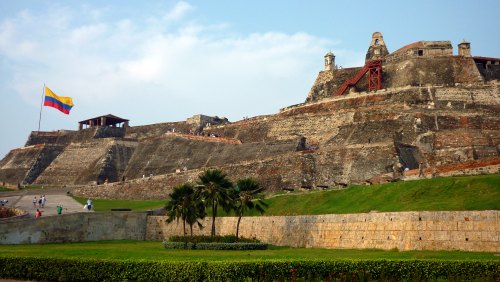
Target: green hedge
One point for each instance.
(213, 239)
(51, 269)
(215, 246)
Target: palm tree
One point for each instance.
(197, 211)
(215, 189)
(184, 206)
(247, 198)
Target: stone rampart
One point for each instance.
(17, 163)
(50, 137)
(273, 173)
(86, 163)
(23, 165)
(477, 231)
(437, 230)
(418, 71)
(78, 227)
(173, 152)
(156, 130)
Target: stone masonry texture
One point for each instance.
(443, 230)
(440, 230)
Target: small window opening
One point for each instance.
(376, 42)
(420, 52)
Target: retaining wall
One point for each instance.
(440, 230)
(78, 227)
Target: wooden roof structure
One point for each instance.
(105, 120)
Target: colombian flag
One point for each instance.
(63, 104)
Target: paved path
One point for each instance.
(23, 199)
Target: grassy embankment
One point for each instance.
(135, 205)
(4, 189)
(140, 250)
(440, 194)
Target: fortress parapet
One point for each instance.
(421, 63)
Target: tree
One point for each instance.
(197, 211)
(215, 189)
(185, 206)
(248, 198)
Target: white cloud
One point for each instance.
(87, 33)
(179, 11)
(109, 66)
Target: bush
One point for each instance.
(52, 269)
(215, 246)
(214, 239)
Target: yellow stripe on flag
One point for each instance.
(65, 100)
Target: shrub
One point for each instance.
(214, 239)
(53, 269)
(215, 246)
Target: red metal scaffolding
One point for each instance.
(374, 69)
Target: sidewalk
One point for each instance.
(23, 199)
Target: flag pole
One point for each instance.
(41, 107)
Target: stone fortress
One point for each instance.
(368, 124)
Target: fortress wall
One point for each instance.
(418, 71)
(440, 230)
(430, 71)
(17, 163)
(42, 161)
(329, 82)
(320, 121)
(80, 163)
(61, 137)
(156, 130)
(168, 153)
(327, 168)
(274, 173)
(353, 163)
(77, 227)
(116, 161)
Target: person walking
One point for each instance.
(34, 202)
(421, 169)
(89, 204)
(59, 209)
(43, 201)
(38, 213)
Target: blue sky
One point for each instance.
(157, 61)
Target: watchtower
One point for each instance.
(329, 61)
(377, 49)
(464, 49)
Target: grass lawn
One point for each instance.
(5, 189)
(153, 250)
(440, 194)
(135, 205)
